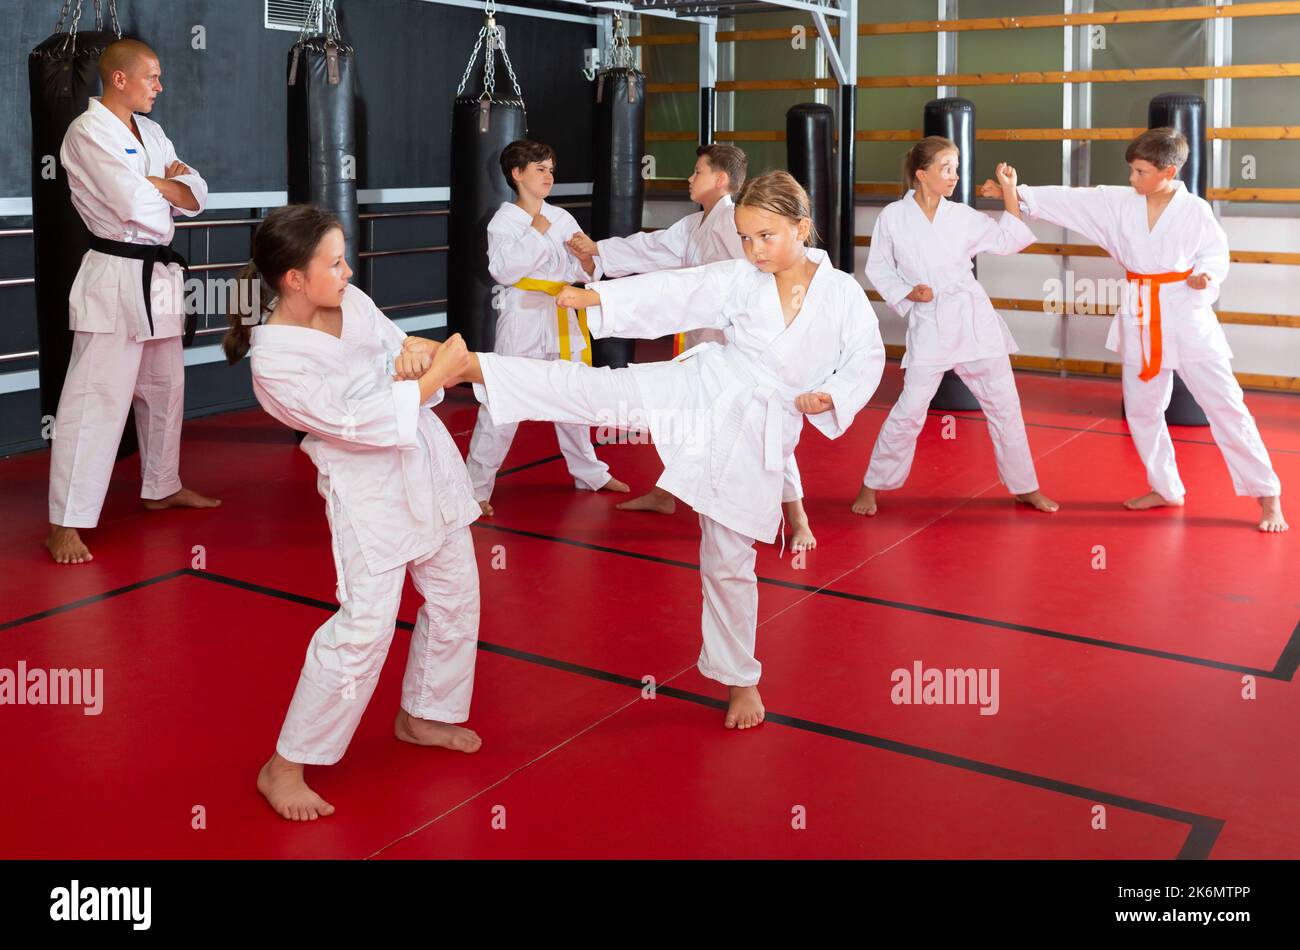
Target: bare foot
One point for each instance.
(615, 485)
(744, 707)
(865, 503)
(1151, 500)
(656, 500)
(282, 784)
(801, 536)
(486, 509)
(1271, 514)
(185, 498)
(66, 547)
(431, 733)
(1037, 499)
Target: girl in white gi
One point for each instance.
(326, 361)
(801, 340)
(128, 186)
(1176, 257)
(704, 237)
(920, 262)
(527, 257)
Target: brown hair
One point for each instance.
(1161, 147)
(922, 155)
(778, 193)
(520, 154)
(729, 159)
(285, 240)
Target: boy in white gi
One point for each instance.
(326, 361)
(920, 262)
(801, 340)
(528, 258)
(705, 237)
(1176, 257)
(126, 305)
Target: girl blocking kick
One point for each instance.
(397, 496)
(801, 341)
(920, 262)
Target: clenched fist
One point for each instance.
(813, 403)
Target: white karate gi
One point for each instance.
(957, 330)
(527, 325)
(116, 361)
(1186, 237)
(696, 239)
(398, 499)
(722, 417)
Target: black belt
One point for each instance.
(148, 254)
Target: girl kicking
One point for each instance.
(326, 361)
(801, 340)
(920, 262)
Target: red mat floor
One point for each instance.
(1120, 690)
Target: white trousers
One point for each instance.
(347, 652)
(1232, 427)
(993, 383)
(727, 581)
(490, 443)
(108, 374)
(729, 624)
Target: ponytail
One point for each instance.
(246, 310)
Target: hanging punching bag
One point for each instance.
(1186, 113)
(481, 127)
(809, 143)
(618, 191)
(954, 119)
(322, 126)
(62, 74)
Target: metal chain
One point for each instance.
(332, 27)
(472, 57)
(496, 42)
(501, 45)
(620, 53)
(76, 19)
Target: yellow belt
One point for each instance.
(553, 287)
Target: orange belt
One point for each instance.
(1150, 367)
(679, 343)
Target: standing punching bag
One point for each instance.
(62, 75)
(618, 191)
(1186, 113)
(322, 125)
(481, 126)
(954, 119)
(809, 142)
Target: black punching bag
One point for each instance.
(482, 125)
(480, 130)
(618, 191)
(1186, 113)
(954, 119)
(322, 129)
(809, 143)
(62, 74)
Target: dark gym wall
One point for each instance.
(224, 108)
